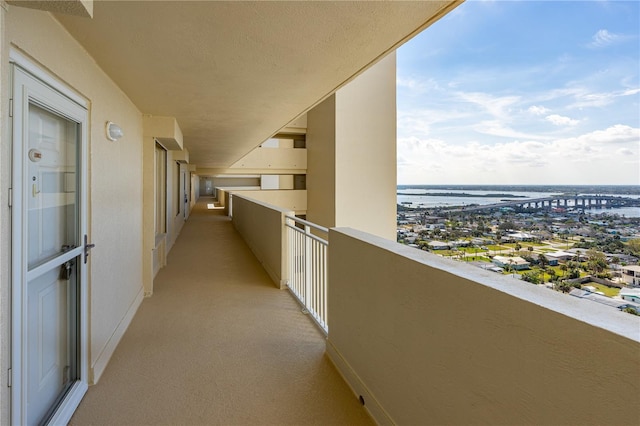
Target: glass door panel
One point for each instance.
(52, 222)
(51, 167)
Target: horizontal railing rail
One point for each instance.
(307, 278)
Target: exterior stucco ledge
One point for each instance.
(601, 316)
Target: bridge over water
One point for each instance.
(558, 201)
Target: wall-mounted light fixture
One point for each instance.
(114, 132)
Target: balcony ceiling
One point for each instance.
(234, 73)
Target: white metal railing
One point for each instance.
(307, 278)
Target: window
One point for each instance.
(176, 188)
(160, 167)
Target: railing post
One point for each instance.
(307, 267)
(285, 273)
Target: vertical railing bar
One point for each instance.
(321, 283)
(300, 268)
(317, 284)
(315, 291)
(311, 273)
(315, 278)
(324, 284)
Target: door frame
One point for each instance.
(18, 376)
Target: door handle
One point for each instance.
(87, 248)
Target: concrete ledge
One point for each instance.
(433, 341)
(599, 316)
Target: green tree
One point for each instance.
(542, 260)
(531, 277)
(563, 267)
(507, 225)
(633, 246)
(596, 261)
(563, 286)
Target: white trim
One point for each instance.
(372, 406)
(40, 269)
(19, 58)
(109, 348)
(65, 411)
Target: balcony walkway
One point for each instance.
(219, 344)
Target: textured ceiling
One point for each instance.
(234, 73)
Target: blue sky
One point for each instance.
(509, 92)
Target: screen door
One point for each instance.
(48, 227)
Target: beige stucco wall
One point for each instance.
(351, 145)
(366, 157)
(115, 170)
(149, 253)
(433, 347)
(274, 158)
(229, 181)
(261, 227)
(321, 163)
(294, 200)
(285, 181)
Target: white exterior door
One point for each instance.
(48, 241)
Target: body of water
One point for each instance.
(411, 197)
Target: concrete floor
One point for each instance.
(218, 344)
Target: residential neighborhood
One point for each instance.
(593, 257)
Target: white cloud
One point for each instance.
(586, 99)
(582, 159)
(499, 107)
(624, 152)
(416, 85)
(603, 38)
(618, 133)
(559, 120)
(497, 128)
(538, 110)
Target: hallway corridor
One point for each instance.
(218, 344)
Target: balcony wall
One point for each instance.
(262, 227)
(423, 345)
(295, 200)
(274, 159)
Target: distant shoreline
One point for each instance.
(462, 194)
(557, 189)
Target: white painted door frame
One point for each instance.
(32, 83)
